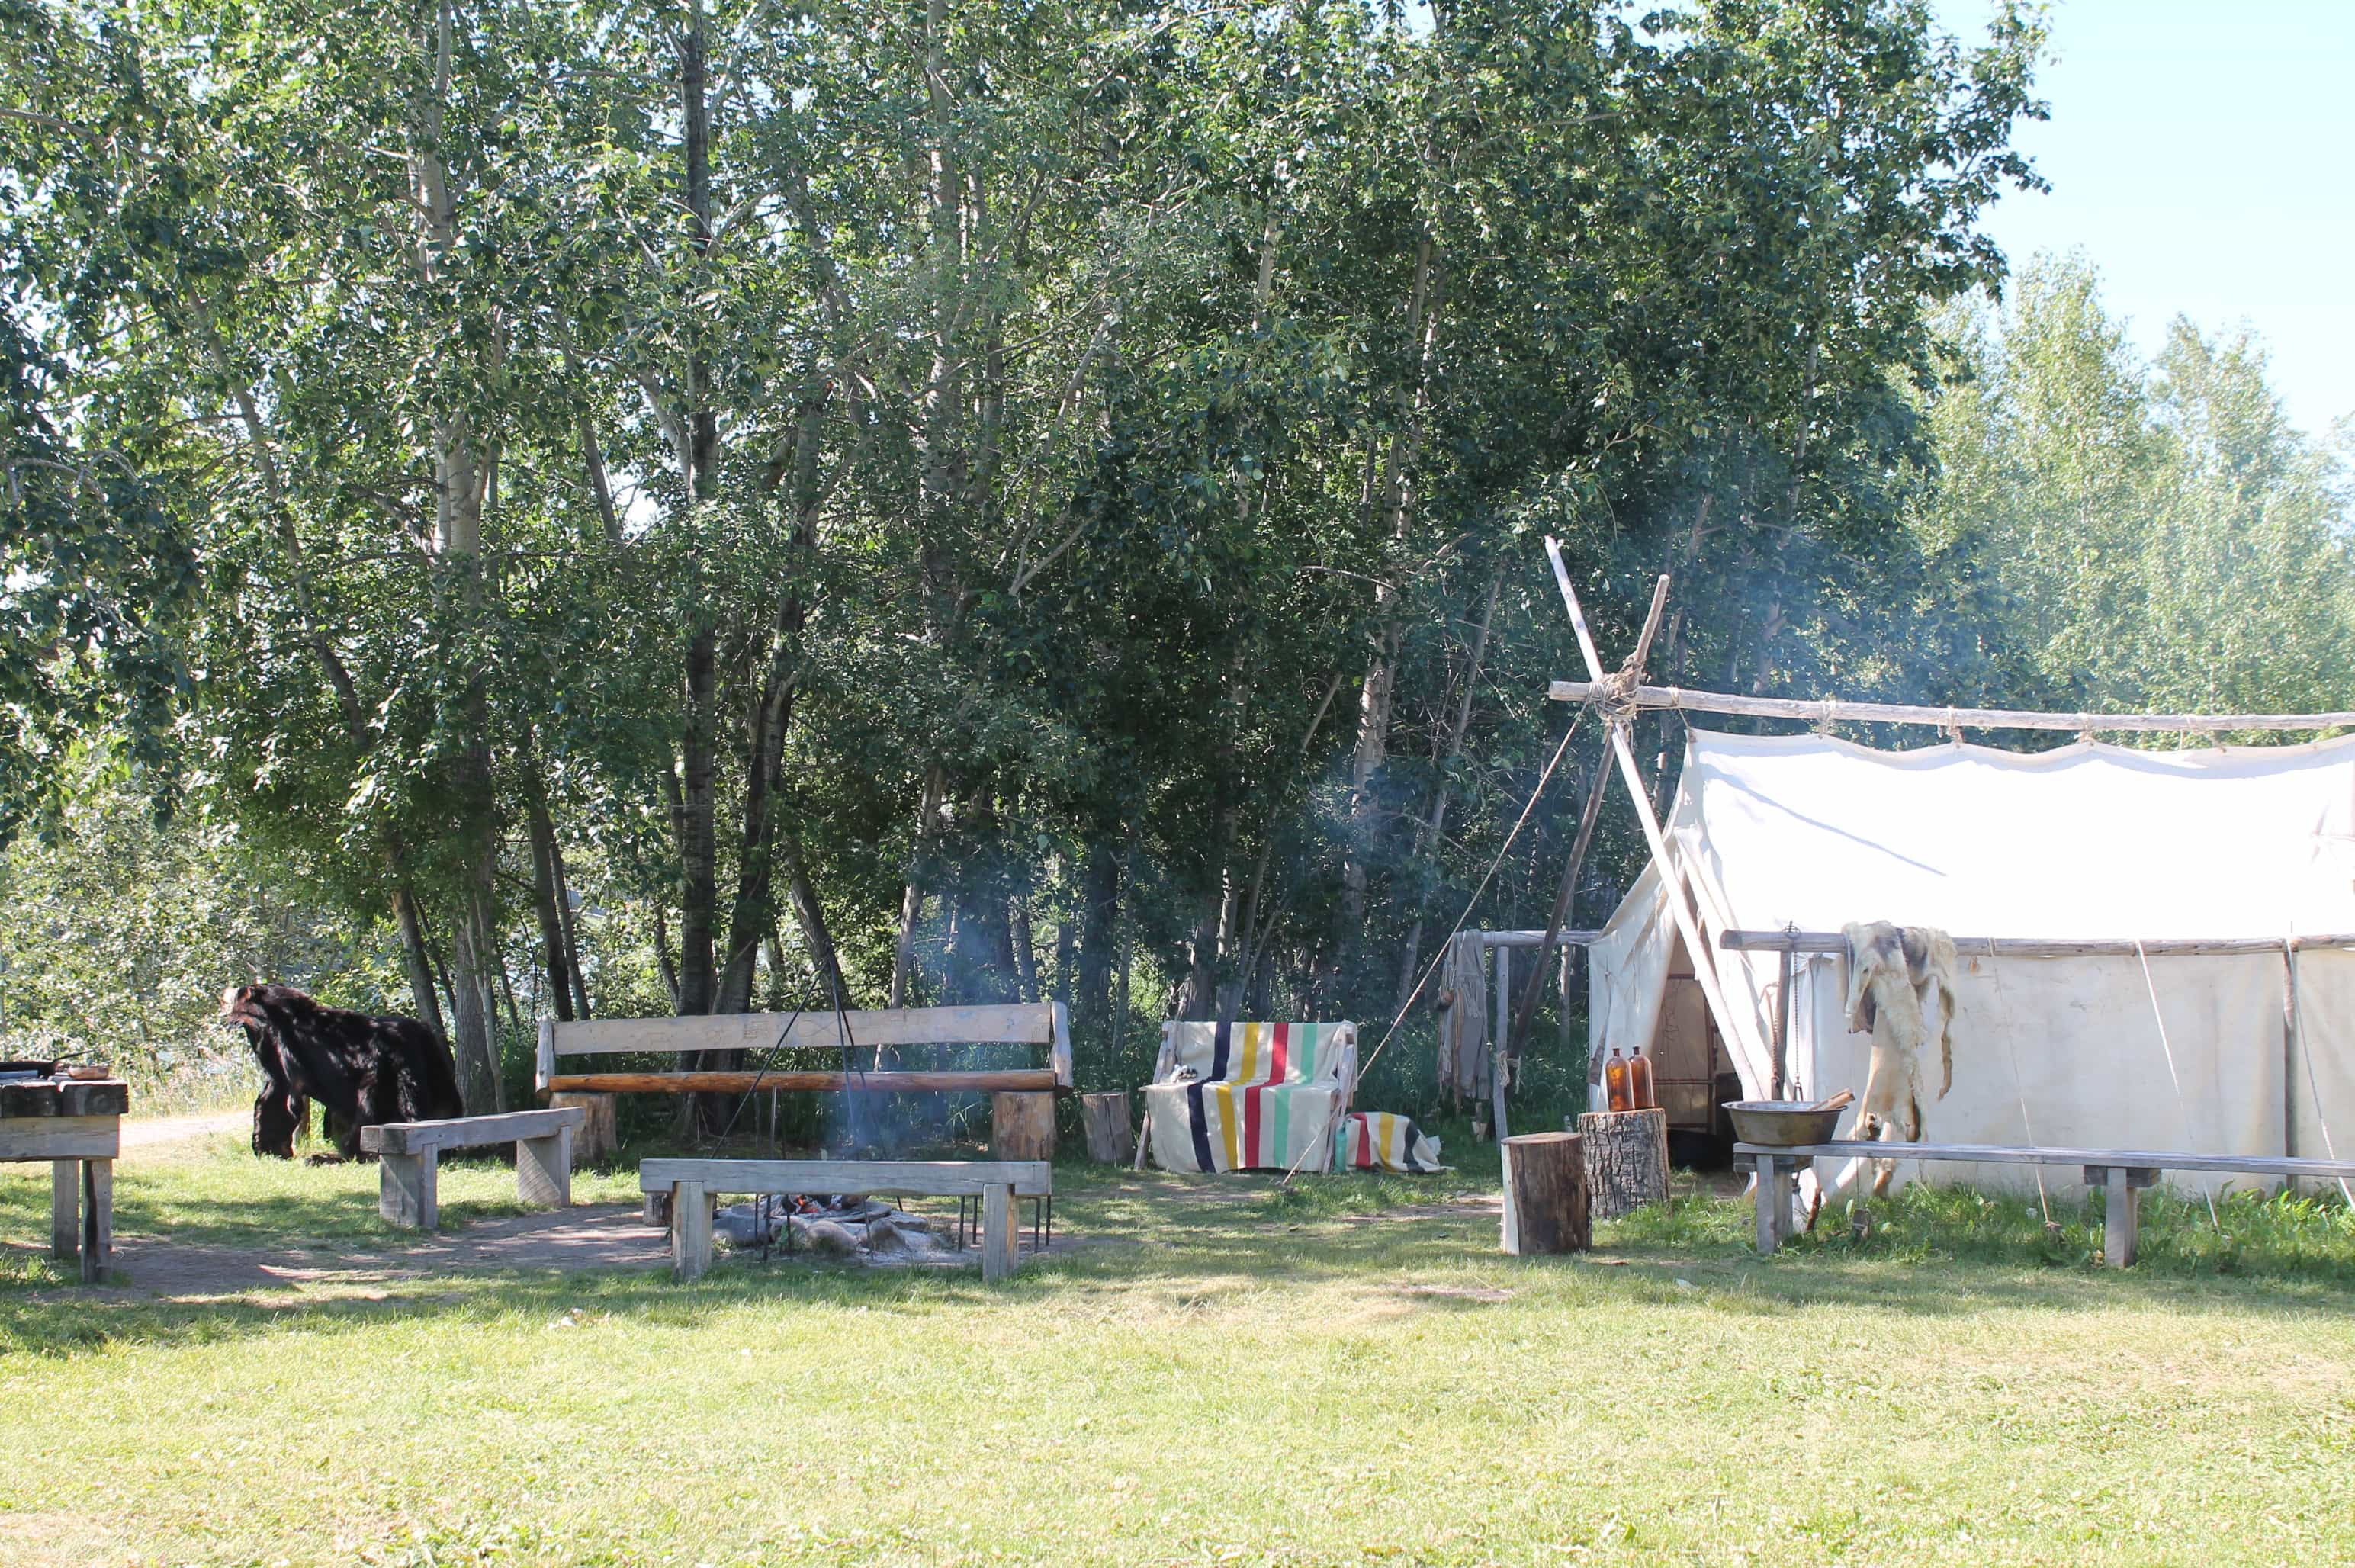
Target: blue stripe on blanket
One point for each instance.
(1200, 1117)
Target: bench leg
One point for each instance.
(65, 1209)
(1773, 1203)
(690, 1230)
(96, 1220)
(405, 1190)
(544, 1170)
(2121, 1218)
(997, 1233)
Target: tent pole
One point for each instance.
(1783, 1026)
(1671, 885)
(1567, 892)
(1823, 710)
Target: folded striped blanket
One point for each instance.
(1250, 1096)
(1381, 1140)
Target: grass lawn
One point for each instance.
(1250, 1375)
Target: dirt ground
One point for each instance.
(587, 1236)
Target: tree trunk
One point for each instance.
(1377, 694)
(572, 930)
(544, 895)
(1099, 919)
(1545, 1204)
(911, 892)
(475, 1035)
(1428, 832)
(817, 936)
(1627, 1159)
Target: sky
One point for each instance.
(2202, 157)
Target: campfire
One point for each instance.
(840, 1226)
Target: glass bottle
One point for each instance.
(1641, 1094)
(1614, 1081)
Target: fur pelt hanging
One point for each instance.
(1463, 1020)
(1901, 989)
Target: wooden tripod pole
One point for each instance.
(1566, 894)
(1671, 885)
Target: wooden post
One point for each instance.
(1781, 1078)
(599, 1139)
(544, 1170)
(1772, 1190)
(690, 1230)
(1499, 1062)
(1627, 1159)
(1546, 1207)
(405, 1190)
(65, 1209)
(2122, 1188)
(1021, 1126)
(997, 1255)
(96, 1220)
(1111, 1139)
(1672, 884)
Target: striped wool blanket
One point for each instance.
(1382, 1140)
(1250, 1096)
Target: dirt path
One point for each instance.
(149, 1132)
(602, 1236)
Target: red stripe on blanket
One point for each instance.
(1252, 1097)
(1280, 1053)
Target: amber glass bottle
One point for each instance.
(1614, 1081)
(1641, 1096)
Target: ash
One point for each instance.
(843, 1227)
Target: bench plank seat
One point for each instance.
(2006, 1154)
(410, 1154)
(2120, 1174)
(468, 1132)
(692, 1183)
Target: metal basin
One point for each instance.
(1781, 1124)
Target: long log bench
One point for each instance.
(1022, 1023)
(410, 1154)
(2121, 1175)
(692, 1184)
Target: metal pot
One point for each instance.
(1781, 1124)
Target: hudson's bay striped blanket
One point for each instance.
(1383, 1140)
(1250, 1096)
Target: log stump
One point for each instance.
(597, 1140)
(1112, 1140)
(1021, 1126)
(1546, 1208)
(1627, 1159)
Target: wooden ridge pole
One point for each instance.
(1671, 885)
(1824, 711)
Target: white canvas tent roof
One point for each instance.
(2090, 841)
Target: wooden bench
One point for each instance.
(410, 1156)
(77, 1127)
(693, 1183)
(2120, 1175)
(1022, 1023)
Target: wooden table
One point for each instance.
(77, 1127)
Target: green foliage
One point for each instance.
(2157, 535)
(1010, 499)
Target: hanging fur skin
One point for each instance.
(1901, 989)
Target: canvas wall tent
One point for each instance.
(2257, 1051)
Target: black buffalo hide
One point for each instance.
(363, 1071)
